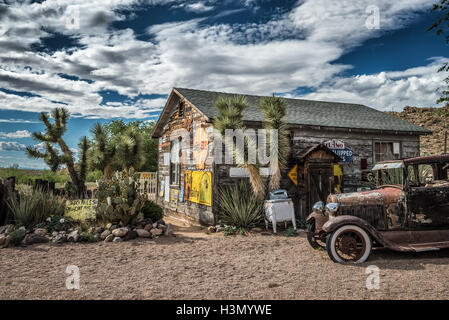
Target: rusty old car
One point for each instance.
(408, 211)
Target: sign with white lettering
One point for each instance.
(335, 144)
(347, 154)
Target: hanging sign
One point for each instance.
(338, 147)
(293, 174)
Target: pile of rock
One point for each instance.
(110, 233)
(144, 229)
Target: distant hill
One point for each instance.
(434, 119)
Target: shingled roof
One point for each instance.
(310, 112)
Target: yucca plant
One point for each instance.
(230, 116)
(274, 110)
(31, 208)
(238, 206)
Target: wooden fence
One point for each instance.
(148, 184)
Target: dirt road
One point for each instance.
(194, 265)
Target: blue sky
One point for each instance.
(119, 59)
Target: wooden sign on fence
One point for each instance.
(81, 209)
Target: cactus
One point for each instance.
(119, 199)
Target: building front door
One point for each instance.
(319, 182)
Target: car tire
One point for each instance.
(349, 243)
(311, 239)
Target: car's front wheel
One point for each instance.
(349, 243)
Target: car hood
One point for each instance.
(381, 196)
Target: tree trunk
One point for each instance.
(107, 172)
(71, 168)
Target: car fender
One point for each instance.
(320, 220)
(335, 223)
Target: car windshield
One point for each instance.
(389, 173)
(390, 176)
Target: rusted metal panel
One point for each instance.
(427, 159)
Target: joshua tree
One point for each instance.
(274, 110)
(52, 156)
(230, 116)
(130, 151)
(102, 153)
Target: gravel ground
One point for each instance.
(194, 265)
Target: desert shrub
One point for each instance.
(238, 206)
(33, 207)
(16, 236)
(290, 232)
(119, 199)
(152, 210)
(56, 223)
(229, 230)
(94, 176)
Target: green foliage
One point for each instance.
(119, 199)
(56, 223)
(238, 206)
(274, 110)
(94, 176)
(150, 146)
(23, 176)
(30, 209)
(130, 149)
(16, 236)
(229, 230)
(230, 116)
(118, 146)
(152, 210)
(230, 113)
(290, 232)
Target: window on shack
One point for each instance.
(175, 165)
(387, 151)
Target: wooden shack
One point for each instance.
(333, 147)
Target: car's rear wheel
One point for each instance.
(349, 243)
(315, 240)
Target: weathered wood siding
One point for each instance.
(361, 143)
(190, 119)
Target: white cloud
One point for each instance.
(198, 7)
(18, 121)
(388, 90)
(16, 135)
(294, 49)
(11, 146)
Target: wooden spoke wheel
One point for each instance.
(349, 243)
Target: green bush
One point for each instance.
(56, 223)
(16, 236)
(229, 230)
(237, 206)
(152, 210)
(34, 207)
(94, 176)
(119, 199)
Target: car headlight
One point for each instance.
(318, 207)
(332, 208)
